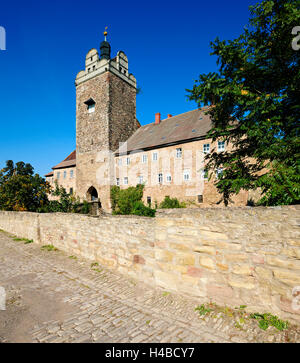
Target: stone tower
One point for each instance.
(105, 117)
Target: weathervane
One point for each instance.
(105, 33)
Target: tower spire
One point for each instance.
(105, 47)
(105, 33)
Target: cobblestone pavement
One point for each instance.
(53, 297)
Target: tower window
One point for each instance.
(91, 108)
(90, 105)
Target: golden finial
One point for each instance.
(105, 33)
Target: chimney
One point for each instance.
(169, 115)
(157, 118)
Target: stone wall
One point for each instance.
(234, 256)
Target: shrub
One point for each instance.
(129, 201)
(140, 209)
(67, 203)
(171, 203)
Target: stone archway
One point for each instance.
(92, 195)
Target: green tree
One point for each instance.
(129, 201)
(21, 189)
(254, 105)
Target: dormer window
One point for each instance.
(90, 105)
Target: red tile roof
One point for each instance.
(177, 129)
(68, 162)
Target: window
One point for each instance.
(206, 148)
(149, 201)
(144, 159)
(160, 178)
(221, 145)
(178, 153)
(120, 162)
(71, 191)
(219, 172)
(204, 174)
(168, 178)
(118, 181)
(200, 198)
(58, 175)
(154, 156)
(141, 179)
(126, 180)
(91, 108)
(186, 175)
(94, 67)
(71, 174)
(127, 161)
(65, 174)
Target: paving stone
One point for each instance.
(105, 308)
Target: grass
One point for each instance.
(267, 319)
(241, 317)
(25, 240)
(203, 310)
(73, 257)
(49, 248)
(94, 267)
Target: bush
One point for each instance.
(129, 201)
(67, 203)
(140, 209)
(171, 203)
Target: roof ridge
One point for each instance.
(168, 118)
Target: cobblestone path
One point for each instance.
(53, 297)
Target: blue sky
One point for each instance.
(167, 44)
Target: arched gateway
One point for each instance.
(92, 195)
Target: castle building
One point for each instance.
(112, 148)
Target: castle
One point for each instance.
(112, 148)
